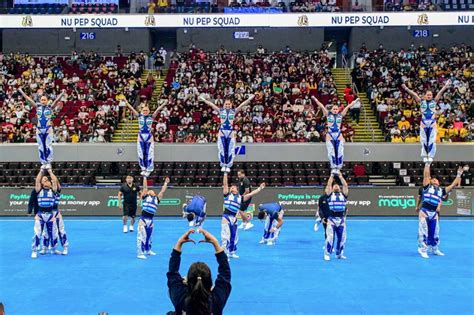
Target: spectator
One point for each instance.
(197, 293)
(151, 7)
(403, 123)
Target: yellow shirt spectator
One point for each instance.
(403, 123)
(407, 112)
(163, 3)
(397, 139)
(422, 73)
(151, 7)
(120, 97)
(410, 139)
(467, 72)
(442, 131)
(75, 138)
(463, 132)
(451, 132)
(26, 73)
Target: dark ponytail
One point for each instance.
(199, 290)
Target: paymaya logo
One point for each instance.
(397, 202)
(113, 202)
(27, 197)
(404, 203)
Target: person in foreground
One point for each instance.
(195, 294)
(431, 199)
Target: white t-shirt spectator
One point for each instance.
(163, 53)
(247, 139)
(161, 126)
(382, 107)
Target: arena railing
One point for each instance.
(264, 152)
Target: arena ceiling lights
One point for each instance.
(238, 20)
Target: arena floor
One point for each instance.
(383, 274)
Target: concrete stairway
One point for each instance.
(368, 129)
(127, 130)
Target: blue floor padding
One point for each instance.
(383, 274)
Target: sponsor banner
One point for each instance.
(238, 20)
(295, 201)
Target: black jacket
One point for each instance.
(323, 206)
(33, 203)
(178, 290)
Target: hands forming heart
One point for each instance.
(208, 238)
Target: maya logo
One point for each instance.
(397, 203)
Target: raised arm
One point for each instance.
(426, 174)
(225, 184)
(57, 100)
(344, 112)
(245, 103)
(54, 180)
(456, 182)
(38, 181)
(253, 193)
(177, 289)
(320, 105)
(415, 96)
(157, 110)
(345, 186)
(441, 92)
(328, 189)
(130, 107)
(163, 189)
(145, 186)
(209, 103)
(222, 285)
(27, 98)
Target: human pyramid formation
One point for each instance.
(47, 186)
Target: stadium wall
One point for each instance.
(401, 37)
(297, 201)
(295, 152)
(52, 41)
(55, 42)
(270, 38)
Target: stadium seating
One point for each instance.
(43, 8)
(281, 111)
(208, 174)
(381, 73)
(90, 109)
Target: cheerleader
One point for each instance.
(334, 138)
(145, 142)
(150, 203)
(431, 197)
(336, 221)
(232, 204)
(273, 215)
(428, 126)
(226, 140)
(44, 127)
(195, 211)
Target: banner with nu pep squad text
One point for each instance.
(372, 19)
(296, 201)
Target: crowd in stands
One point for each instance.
(283, 83)
(410, 5)
(92, 105)
(381, 72)
(314, 6)
(240, 6)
